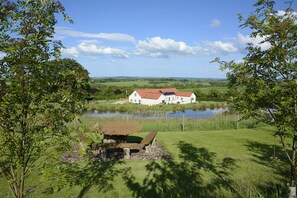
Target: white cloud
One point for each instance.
(215, 23)
(155, 47)
(159, 47)
(2, 55)
(72, 51)
(286, 14)
(220, 47)
(118, 37)
(90, 48)
(280, 13)
(283, 13)
(257, 41)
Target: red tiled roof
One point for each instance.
(149, 93)
(184, 94)
(156, 93)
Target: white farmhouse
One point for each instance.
(161, 96)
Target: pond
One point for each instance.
(188, 113)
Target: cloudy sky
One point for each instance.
(155, 38)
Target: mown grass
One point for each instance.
(226, 163)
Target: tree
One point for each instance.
(264, 85)
(213, 93)
(199, 93)
(37, 96)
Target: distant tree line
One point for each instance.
(106, 92)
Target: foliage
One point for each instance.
(37, 97)
(199, 93)
(264, 86)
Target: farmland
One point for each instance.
(116, 88)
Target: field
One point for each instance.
(215, 157)
(228, 163)
(115, 88)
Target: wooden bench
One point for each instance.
(148, 142)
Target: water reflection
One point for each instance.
(188, 113)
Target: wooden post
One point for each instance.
(153, 143)
(126, 153)
(148, 149)
(237, 123)
(183, 128)
(103, 154)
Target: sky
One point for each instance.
(155, 38)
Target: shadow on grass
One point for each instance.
(274, 157)
(186, 177)
(95, 174)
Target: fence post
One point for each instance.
(237, 123)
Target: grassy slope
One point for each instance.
(251, 151)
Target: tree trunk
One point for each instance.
(293, 169)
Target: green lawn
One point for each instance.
(226, 163)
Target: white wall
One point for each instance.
(186, 100)
(170, 99)
(150, 102)
(135, 98)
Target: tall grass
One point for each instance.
(219, 122)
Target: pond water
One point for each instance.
(188, 113)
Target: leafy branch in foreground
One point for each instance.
(37, 96)
(264, 85)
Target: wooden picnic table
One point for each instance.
(117, 132)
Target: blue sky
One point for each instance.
(155, 38)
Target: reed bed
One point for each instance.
(219, 122)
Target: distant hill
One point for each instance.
(159, 78)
